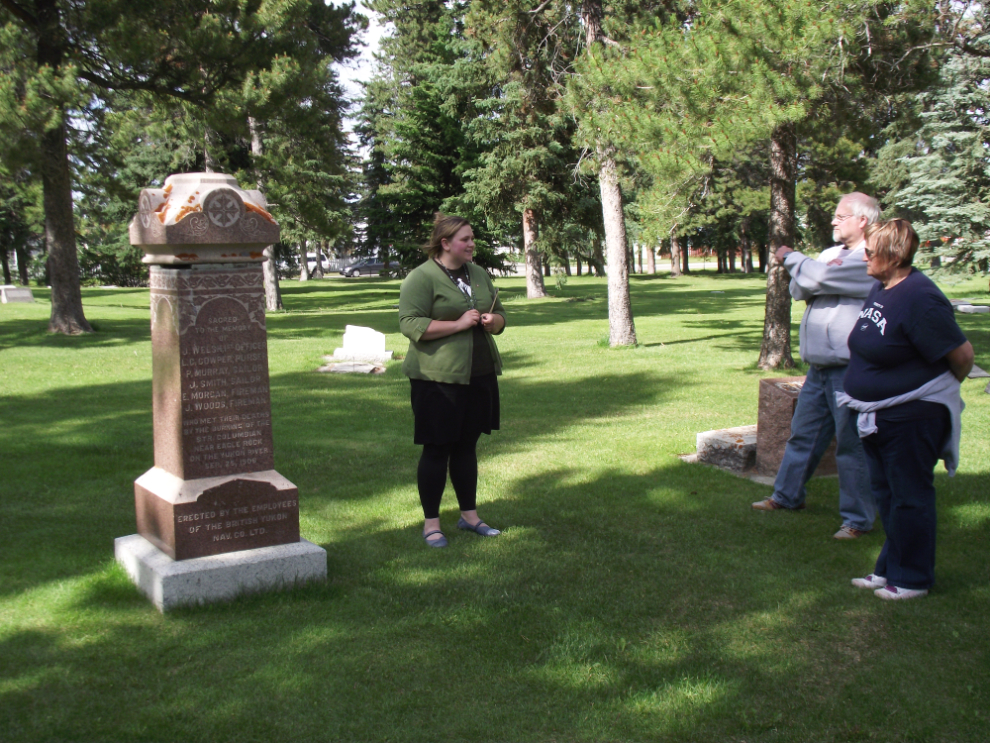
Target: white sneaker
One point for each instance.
(871, 581)
(893, 593)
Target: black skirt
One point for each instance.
(445, 413)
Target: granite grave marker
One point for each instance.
(213, 489)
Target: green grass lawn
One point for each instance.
(631, 597)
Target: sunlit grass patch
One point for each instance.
(631, 596)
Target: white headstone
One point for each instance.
(11, 293)
(362, 344)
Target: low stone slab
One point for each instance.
(351, 367)
(731, 448)
(169, 583)
(11, 293)
(977, 373)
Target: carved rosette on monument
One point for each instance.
(213, 489)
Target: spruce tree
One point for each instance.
(939, 175)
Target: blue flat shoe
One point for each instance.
(441, 542)
(480, 528)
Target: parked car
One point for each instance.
(368, 267)
(311, 262)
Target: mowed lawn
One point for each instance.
(631, 596)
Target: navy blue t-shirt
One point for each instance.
(900, 340)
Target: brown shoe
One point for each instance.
(847, 532)
(769, 504)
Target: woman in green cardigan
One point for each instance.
(449, 310)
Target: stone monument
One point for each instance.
(214, 518)
(778, 397)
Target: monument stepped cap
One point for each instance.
(202, 218)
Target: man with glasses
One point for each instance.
(834, 286)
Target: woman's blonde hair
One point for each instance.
(445, 226)
(894, 242)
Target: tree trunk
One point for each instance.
(5, 259)
(621, 330)
(60, 235)
(273, 294)
(22, 263)
(651, 260)
(746, 250)
(546, 265)
(775, 352)
(577, 260)
(597, 259)
(210, 163)
(304, 261)
(534, 277)
(763, 258)
(318, 266)
(675, 255)
(732, 260)
(686, 255)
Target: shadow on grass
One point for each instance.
(620, 607)
(109, 332)
(331, 433)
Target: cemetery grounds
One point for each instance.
(631, 596)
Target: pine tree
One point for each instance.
(622, 330)
(685, 93)
(58, 58)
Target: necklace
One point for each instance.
(460, 283)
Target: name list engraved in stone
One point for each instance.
(226, 423)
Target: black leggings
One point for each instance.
(462, 460)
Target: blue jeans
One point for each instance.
(816, 419)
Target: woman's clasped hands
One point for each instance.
(489, 321)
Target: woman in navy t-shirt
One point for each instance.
(907, 358)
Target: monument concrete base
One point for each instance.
(169, 583)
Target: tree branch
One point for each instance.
(542, 5)
(966, 47)
(148, 86)
(20, 12)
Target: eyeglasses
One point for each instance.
(842, 217)
(870, 253)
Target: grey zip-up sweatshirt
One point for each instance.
(835, 296)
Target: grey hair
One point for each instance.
(861, 205)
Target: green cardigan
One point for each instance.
(428, 294)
